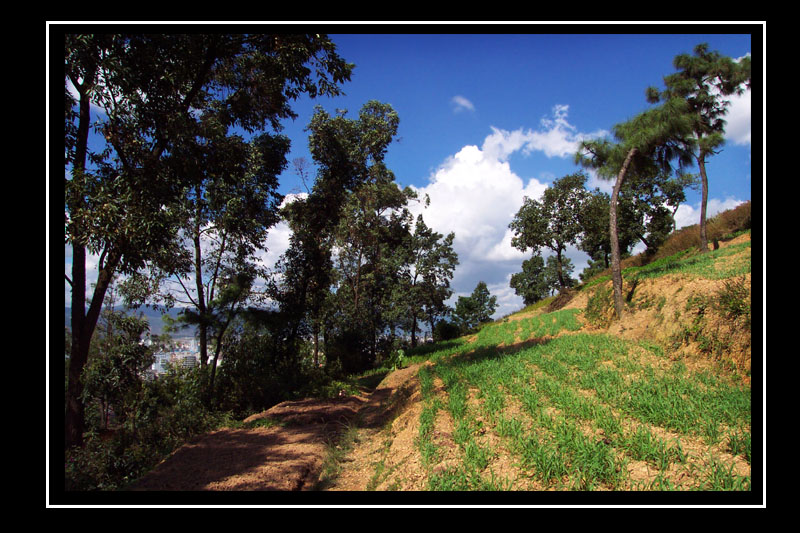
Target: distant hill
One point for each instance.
(153, 318)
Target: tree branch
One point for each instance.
(186, 291)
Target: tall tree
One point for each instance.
(158, 96)
(654, 138)
(371, 259)
(432, 263)
(352, 180)
(226, 217)
(553, 222)
(704, 80)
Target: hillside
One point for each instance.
(554, 397)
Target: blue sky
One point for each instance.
(486, 119)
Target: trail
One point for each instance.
(284, 457)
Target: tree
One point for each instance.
(372, 259)
(353, 207)
(648, 202)
(557, 272)
(553, 222)
(654, 138)
(114, 378)
(595, 236)
(531, 283)
(226, 218)
(160, 96)
(476, 309)
(432, 263)
(703, 80)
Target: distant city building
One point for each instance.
(177, 358)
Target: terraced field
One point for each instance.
(571, 400)
(537, 404)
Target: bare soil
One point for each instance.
(284, 457)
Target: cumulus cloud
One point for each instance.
(461, 104)
(738, 123)
(278, 236)
(475, 193)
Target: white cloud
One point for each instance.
(461, 104)
(476, 194)
(278, 236)
(738, 122)
(556, 138)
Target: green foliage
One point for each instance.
(168, 102)
(476, 309)
(161, 416)
(112, 379)
(359, 296)
(445, 331)
(432, 262)
(703, 81)
(733, 300)
(553, 222)
(396, 360)
(257, 373)
(530, 283)
(599, 306)
(538, 279)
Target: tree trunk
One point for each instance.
(414, 330)
(210, 397)
(616, 271)
(83, 326)
(701, 163)
(202, 328)
(316, 346)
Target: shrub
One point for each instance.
(600, 307)
(445, 331)
(722, 226)
(165, 413)
(733, 300)
(256, 375)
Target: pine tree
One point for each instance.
(654, 138)
(703, 80)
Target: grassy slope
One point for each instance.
(568, 400)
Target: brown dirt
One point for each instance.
(659, 312)
(285, 457)
(385, 456)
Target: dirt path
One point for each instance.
(286, 457)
